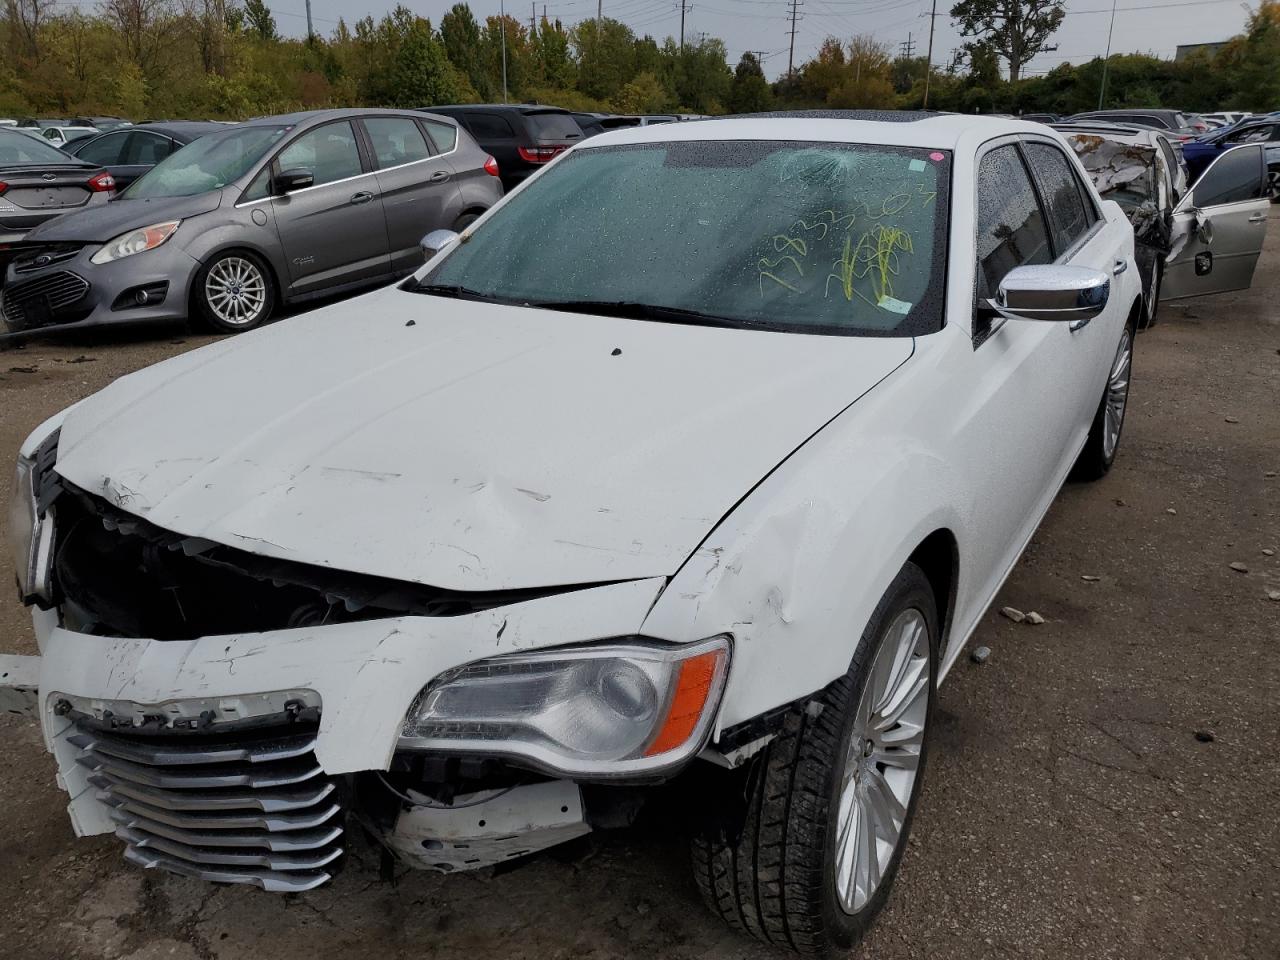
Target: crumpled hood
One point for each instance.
(464, 445)
(102, 223)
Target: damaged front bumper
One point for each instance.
(241, 758)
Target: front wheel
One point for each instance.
(1151, 303)
(232, 293)
(803, 851)
(1273, 184)
(1100, 448)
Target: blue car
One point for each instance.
(1199, 153)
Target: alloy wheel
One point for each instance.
(236, 291)
(1273, 185)
(1117, 396)
(883, 759)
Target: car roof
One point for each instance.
(180, 128)
(333, 113)
(897, 128)
(504, 107)
(1130, 137)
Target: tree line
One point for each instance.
(226, 59)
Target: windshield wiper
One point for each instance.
(635, 310)
(451, 290)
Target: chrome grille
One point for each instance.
(59, 289)
(258, 811)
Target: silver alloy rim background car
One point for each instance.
(1117, 397)
(882, 760)
(236, 291)
(1273, 183)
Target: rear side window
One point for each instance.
(489, 126)
(443, 135)
(1011, 227)
(1235, 177)
(107, 151)
(1070, 216)
(553, 126)
(396, 141)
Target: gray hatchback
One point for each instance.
(277, 210)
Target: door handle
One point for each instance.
(364, 196)
(440, 176)
(1120, 267)
(1258, 218)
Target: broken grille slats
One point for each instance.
(255, 809)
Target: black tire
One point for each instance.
(766, 862)
(205, 315)
(1151, 302)
(1273, 183)
(1095, 460)
(466, 220)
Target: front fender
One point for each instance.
(796, 570)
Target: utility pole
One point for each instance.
(310, 32)
(502, 16)
(1102, 93)
(791, 53)
(907, 46)
(684, 8)
(533, 17)
(928, 63)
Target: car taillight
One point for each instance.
(491, 166)
(3, 186)
(539, 154)
(102, 182)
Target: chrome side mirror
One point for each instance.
(435, 241)
(1053, 292)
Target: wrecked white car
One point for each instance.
(702, 452)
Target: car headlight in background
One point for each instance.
(31, 535)
(618, 709)
(135, 241)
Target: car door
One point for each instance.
(419, 188)
(107, 151)
(333, 232)
(1219, 227)
(1034, 385)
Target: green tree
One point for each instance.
(555, 66)
(421, 73)
(605, 51)
(750, 91)
(1015, 30)
(260, 20)
(460, 34)
(643, 94)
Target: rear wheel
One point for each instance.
(464, 221)
(1273, 184)
(803, 853)
(232, 293)
(1100, 448)
(1151, 303)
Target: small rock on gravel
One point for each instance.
(1231, 419)
(1089, 578)
(1204, 736)
(1013, 613)
(1238, 567)
(1273, 595)
(1034, 618)
(1268, 552)
(981, 655)
(1170, 511)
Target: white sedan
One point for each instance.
(701, 454)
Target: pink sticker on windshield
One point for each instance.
(937, 156)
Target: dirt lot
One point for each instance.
(1106, 785)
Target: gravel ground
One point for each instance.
(1105, 785)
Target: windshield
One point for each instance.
(209, 163)
(811, 237)
(21, 149)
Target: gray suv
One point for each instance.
(277, 210)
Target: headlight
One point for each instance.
(31, 535)
(135, 241)
(611, 710)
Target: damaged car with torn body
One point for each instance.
(714, 480)
(1173, 225)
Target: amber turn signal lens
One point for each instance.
(693, 687)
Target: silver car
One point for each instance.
(278, 210)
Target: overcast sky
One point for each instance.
(1144, 26)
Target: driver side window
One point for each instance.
(1011, 225)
